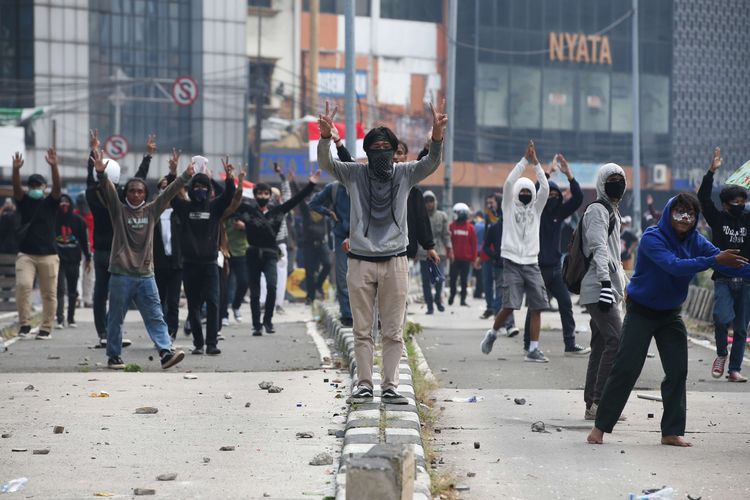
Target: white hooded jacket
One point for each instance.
(521, 222)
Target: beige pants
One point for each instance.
(44, 268)
(388, 281)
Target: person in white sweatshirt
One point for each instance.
(522, 206)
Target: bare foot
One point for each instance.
(596, 436)
(675, 441)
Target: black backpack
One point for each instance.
(576, 264)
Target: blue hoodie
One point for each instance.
(666, 265)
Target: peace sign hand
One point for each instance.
(173, 160)
(325, 122)
(151, 144)
(228, 167)
(94, 139)
(439, 121)
(99, 164)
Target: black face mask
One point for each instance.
(552, 203)
(614, 189)
(262, 202)
(524, 198)
(462, 217)
(380, 162)
(736, 210)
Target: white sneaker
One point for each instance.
(59, 326)
(536, 356)
(237, 315)
(72, 325)
(488, 341)
(224, 321)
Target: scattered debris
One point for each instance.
(143, 491)
(304, 435)
(622, 452)
(651, 355)
(476, 445)
(650, 397)
(43, 451)
(167, 477)
(228, 395)
(53, 357)
(539, 427)
(461, 487)
(14, 485)
(226, 448)
(206, 460)
(265, 385)
(6, 435)
(691, 497)
(247, 405)
(103, 494)
(274, 389)
(146, 410)
(190, 377)
(444, 370)
(58, 429)
(472, 399)
(19, 450)
(519, 401)
(100, 394)
(650, 415)
(471, 474)
(322, 459)
(332, 432)
(29, 388)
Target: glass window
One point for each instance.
(16, 54)
(492, 95)
(337, 7)
(259, 3)
(557, 95)
(622, 105)
(525, 88)
(654, 104)
(593, 102)
(423, 10)
(260, 80)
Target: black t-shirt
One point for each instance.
(40, 237)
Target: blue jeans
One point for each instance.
(731, 305)
(101, 291)
(488, 281)
(429, 299)
(342, 290)
(122, 291)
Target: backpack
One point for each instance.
(576, 264)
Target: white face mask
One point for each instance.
(135, 207)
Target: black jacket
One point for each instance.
(10, 223)
(71, 237)
(418, 222)
(314, 226)
(102, 224)
(199, 236)
(727, 231)
(493, 241)
(551, 221)
(161, 259)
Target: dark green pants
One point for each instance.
(638, 327)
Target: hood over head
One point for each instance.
(524, 183)
(665, 222)
(201, 178)
(605, 171)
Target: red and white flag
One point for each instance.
(313, 133)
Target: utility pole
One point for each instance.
(314, 63)
(450, 104)
(259, 98)
(372, 111)
(636, 125)
(350, 92)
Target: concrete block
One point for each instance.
(384, 473)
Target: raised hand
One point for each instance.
(99, 163)
(228, 167)
(439, 121)
(564, 167)
(190, 169)
(17, 161)
(325, 122)
(276, 168)
(94, 139)
(174, 160)
(314, 178)
(530, 154)
(240, 178)
(51, 157)
(649, 200)
(151, 144)
(716, 160)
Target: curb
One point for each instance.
(363, 424)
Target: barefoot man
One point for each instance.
(670, 254)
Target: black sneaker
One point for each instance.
(257, 331)
(450, 300)
(391, 397)
(488, 313)
(212, 350)
(197, 351)
(347, 322)
(43, 335)
(115, 363)
(24, 331)
(361, 395)
(440, 306)
(269, 328)
(171, 358)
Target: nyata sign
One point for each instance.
(580, 48)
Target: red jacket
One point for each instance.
(464, 240)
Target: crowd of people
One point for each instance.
(211, 238)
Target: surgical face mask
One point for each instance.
(524, 198)
(736, 210)
(380, 162)
(262, 202)
(200, 195)
(683, 217)
(135, 207)
(36, 194)
(614, 189)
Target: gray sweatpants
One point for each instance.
(606, 328)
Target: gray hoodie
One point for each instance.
(441, 233)
(605, 264)
(377, 225)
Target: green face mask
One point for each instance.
(36, 194)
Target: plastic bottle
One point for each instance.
(14, 485)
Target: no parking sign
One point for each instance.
(116, 146)
(184, 91)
